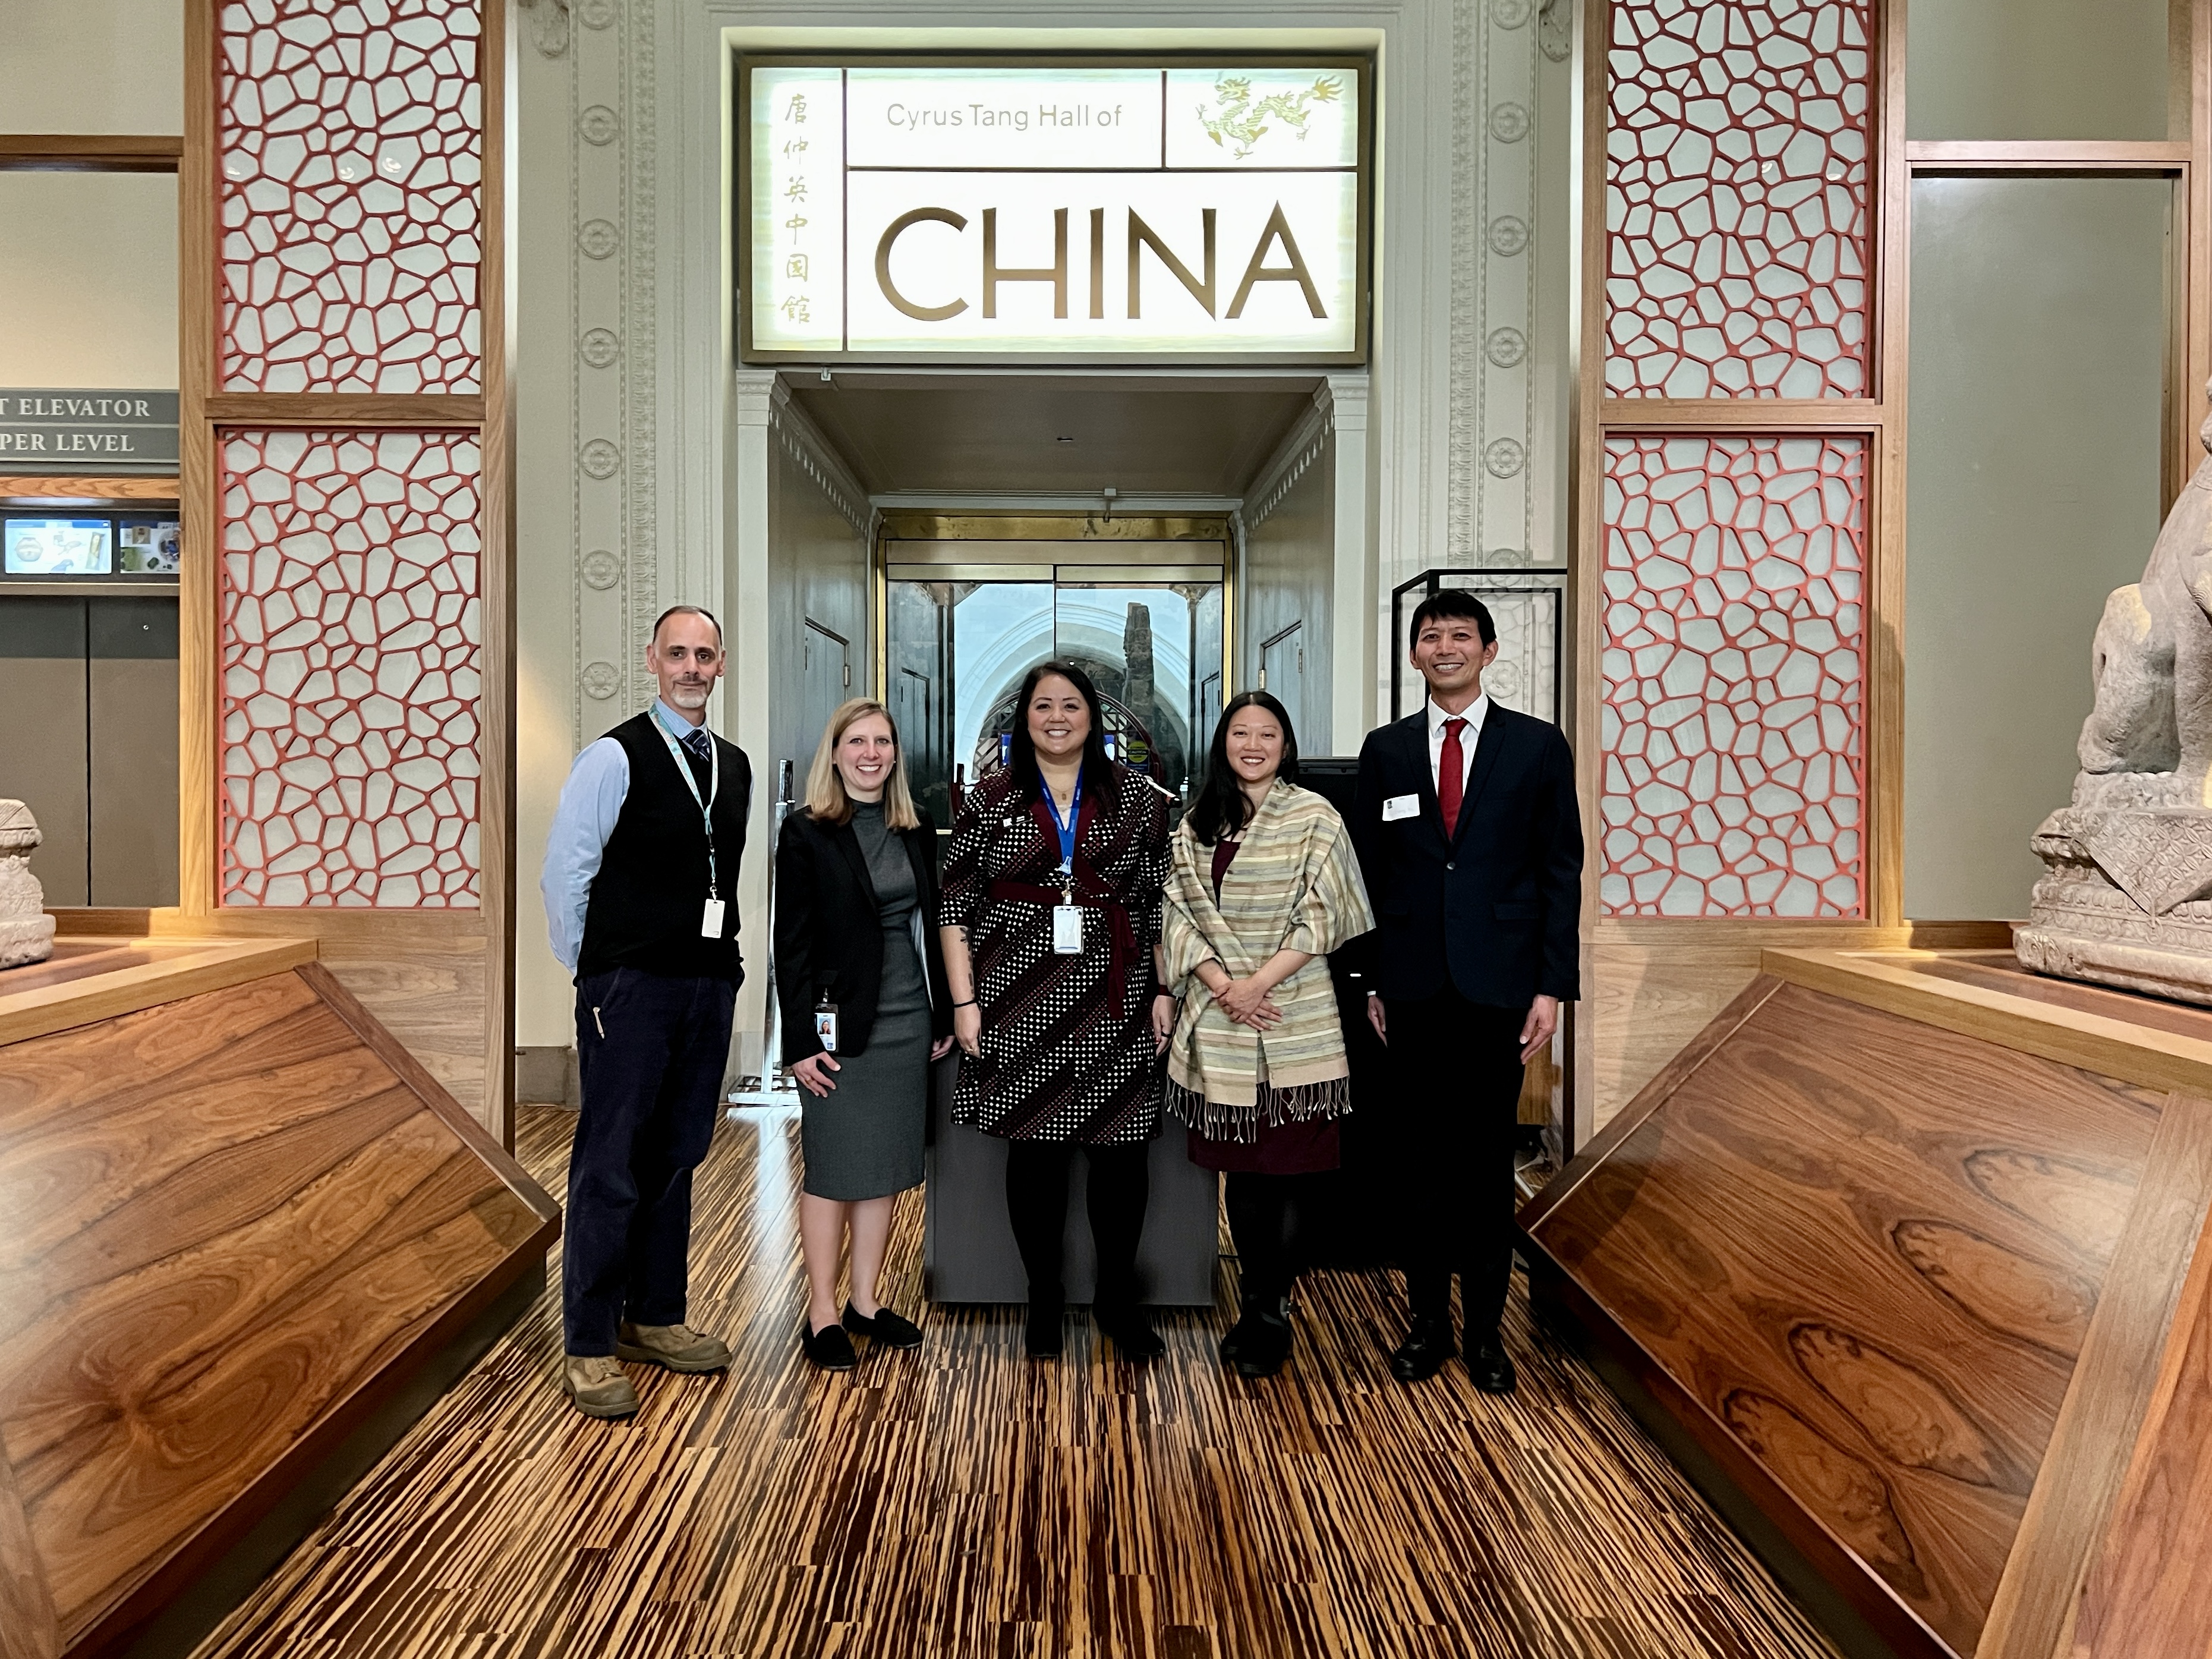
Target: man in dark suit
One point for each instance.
(1471, 841)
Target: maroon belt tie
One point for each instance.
(1122, 931)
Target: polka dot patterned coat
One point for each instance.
(1066, 1046)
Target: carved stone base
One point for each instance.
(27, 932)
(2123, 901)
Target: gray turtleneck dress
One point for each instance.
(865, 1141)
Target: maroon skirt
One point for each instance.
(1282, 1149)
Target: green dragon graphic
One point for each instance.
(1243, 123)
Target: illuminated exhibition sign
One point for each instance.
(1077, 212)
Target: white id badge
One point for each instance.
(825, 1027)
(1401, 806)
(710, 919)
(1067, 930)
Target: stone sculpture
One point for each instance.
(27, 932)
(2126, 895)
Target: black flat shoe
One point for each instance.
(1041, 1336)
(1425, 1350)
(884, 1327)
(1130, 1329)
(1263, 1352)
(1491, 1366)
(828, 1347)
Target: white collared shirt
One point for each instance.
(1472, 714)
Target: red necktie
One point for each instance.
(1451, 777)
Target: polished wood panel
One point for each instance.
(25, 489)
(421, 973)
(964, 1501)
(238, 1221)
(98, 978)
(496, 732)
(2033, 1013)
(344, 409)
(2048, 157)
(196, 449)
(1870, 1252)
(2110, 1390)
(2150, 1593)
(89, 152)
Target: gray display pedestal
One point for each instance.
(968, 1246)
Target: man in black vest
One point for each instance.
(1471, 841)
(641, 900)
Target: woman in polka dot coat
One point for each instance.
(1055, 1012)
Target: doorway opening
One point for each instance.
(965, 617)
(1105, 518)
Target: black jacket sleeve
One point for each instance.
(1560, 879)
(1360, 954)
(796, 922)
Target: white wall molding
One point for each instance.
(1300, 447)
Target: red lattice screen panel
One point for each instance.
(349, 641)
(1733, 677)
(351, 147)
(1738, 199)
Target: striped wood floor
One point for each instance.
(964, 1501)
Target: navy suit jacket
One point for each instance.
(1494, 911)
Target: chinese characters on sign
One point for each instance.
(1081, 211)
(797, 229)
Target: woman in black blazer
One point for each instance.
(859, 979)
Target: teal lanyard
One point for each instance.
(713, 788)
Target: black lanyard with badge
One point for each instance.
(710, 919)
(1067, 916)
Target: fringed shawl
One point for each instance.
(1295, 886)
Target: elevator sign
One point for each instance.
(1079, 213)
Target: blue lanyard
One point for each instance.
(713, 788)
(1067, 829)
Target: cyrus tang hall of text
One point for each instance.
(923, 118)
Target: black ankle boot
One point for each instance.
(1041, 1337)
(1130, 1327)
(1263, 1352)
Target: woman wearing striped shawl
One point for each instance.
(1263, 885)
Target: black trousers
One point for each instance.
(1267, 1218)
(1118, 1188)
(1455, 1070)
(652, 1050)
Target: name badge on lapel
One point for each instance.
(1401, 806)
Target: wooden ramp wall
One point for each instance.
(241, 1218)
(1898, 1241)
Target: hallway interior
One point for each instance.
(964, 1501)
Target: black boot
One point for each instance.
(1263, 1352)
(1130, 1327)
(1041, 1335)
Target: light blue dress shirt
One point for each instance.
(590, 801)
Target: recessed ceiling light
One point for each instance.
(1064, 440)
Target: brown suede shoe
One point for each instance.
(598, 1386)
(678, 1347)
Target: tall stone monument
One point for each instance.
(2126, 894)
(27, 932)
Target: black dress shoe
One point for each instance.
(1425, 1350)
(1490, 1365)
(1040, 1337)
(884, 1327)
(1262, 1352)
(828, 1347)
(1131, 1330)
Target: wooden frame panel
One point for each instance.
(412, 966)
(1628, 951)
